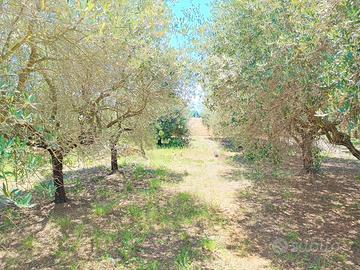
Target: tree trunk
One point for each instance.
(337, 137)
(114, 161)
(58, 177)
(307, 144)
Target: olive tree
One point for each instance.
(45, 58)
(145, 65)
(280, 72)
(65, 79)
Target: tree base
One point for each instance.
(60, 200)
(113, 172)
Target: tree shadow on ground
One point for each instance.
(306, 221)
(228, 144)
(110, 221)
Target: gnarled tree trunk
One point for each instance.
(307, 146)
(58, 176)
(114, 160)
(337, 137)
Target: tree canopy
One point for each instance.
(280, 72)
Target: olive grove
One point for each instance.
(284, 73)
(73, 73)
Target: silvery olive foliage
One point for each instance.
(284, 73)
(74, 73)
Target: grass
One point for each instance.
(287, 194)
(127, 227)
(293, 236)
(28, 242)
(209, 245)
(103, 209)
(184, 259)
(63, 222)
(139, 222)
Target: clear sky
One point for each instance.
(188, 16)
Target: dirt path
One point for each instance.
(208, 178)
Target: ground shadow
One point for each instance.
(306, 221)
(110, 220)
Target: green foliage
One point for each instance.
(172, 130)
(46, 189)
(59, 107)
(276, 70)
(16, 197)
(16, 161)
(319, 158)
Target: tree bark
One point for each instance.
(337, 137)
(58, 177)
(114, 161)
(307, 144)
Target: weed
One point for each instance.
(45, 189)
(184, 209)
(74, 266)
(63, 222)
(129, 186)
(269, 207)
(209, 244)
(339, 257)
(130, 244)
(103, 240)
(356, 243)
(245, 247)
(183, 260)
(9, 219)
(293, 236)
(155, 265)
(279, 173)
(28, 242)
(104, 192)
(319, 158)
(135, 211)
(139, 172)
(245, 194)
(103, 209)
(256, 174)
(79, 230)
(155, 185)
(77, 186)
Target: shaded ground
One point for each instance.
(276, 219)
(306, 222)
(202, 207)
(112, 222)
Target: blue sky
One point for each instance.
(189, 15)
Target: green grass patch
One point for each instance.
(63, 222)
(185, 257)
(103, 209)
(209, 245)
(293, 236)
(28, 242)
